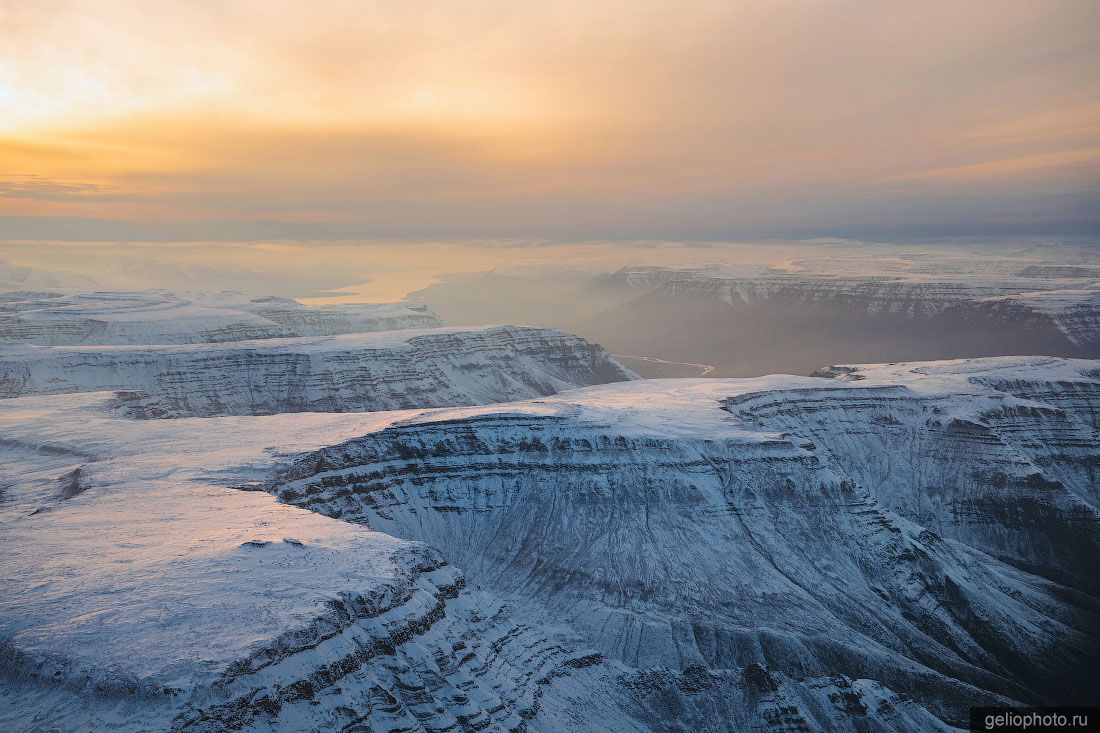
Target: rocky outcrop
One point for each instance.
(875, 549)
(418, 655)
(156, 600)
(354, 372)
(1015, 474)
(807, 526)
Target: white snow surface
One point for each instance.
(149, 582)
(138, 595)
(52, 317)
(813, 525)
(146, 570)
(342, 373)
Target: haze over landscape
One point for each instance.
(502, 366)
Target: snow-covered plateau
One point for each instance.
(872, 549)
(348, 372)
(50, 317)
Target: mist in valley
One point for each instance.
(664, 309)
(738, 318)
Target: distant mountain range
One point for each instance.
(774, 313)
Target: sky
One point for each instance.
(279, 120)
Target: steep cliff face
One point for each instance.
(354, 372)
(794, 323)
(139, 593)
(666, 555)
(875, 294)
(419, 654)
(809, 526)
(1074, 311)
(1016, 474)
(1068, 302)
(162, 317)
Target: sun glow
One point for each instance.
(507, 117)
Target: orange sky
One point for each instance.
(326, 118)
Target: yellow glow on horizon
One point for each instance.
(442, 113)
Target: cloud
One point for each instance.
(569, 118)
(1064, 161)
(44, 189)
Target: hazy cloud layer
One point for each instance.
(188, 120)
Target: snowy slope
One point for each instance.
(350, 372)
(808, 525)
(873, 549)
(161, 317)
(154, 595)
(140, 592)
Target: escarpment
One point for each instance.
(348, 373)
(795, 322)
(799, 524)
(874, 549)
